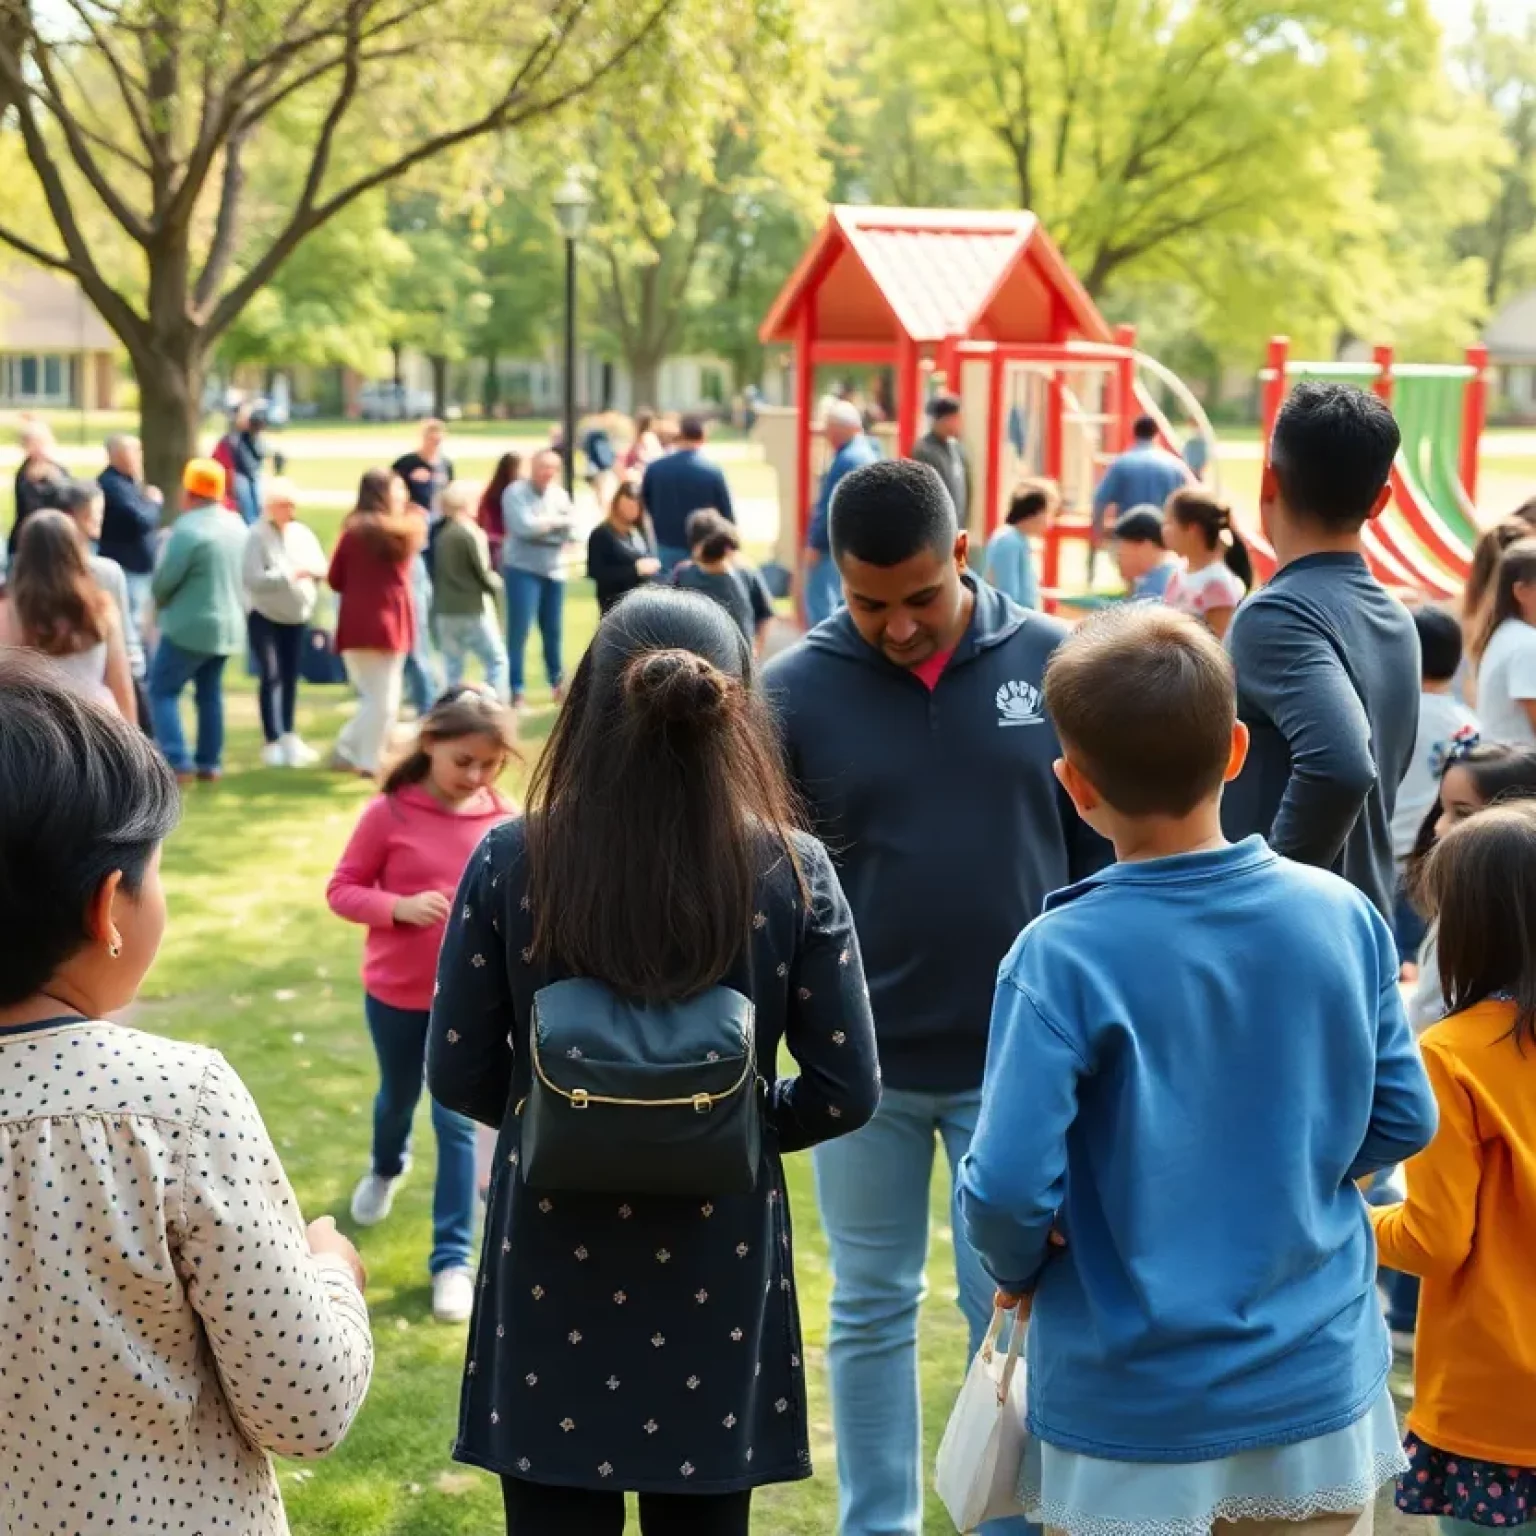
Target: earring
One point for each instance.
(113, 951)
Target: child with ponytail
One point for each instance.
(1214, 573)
(397, 878)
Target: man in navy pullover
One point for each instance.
(914, 729)
(130, 518)
(679, 484)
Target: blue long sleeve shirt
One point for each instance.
(1011, 567)
(854, 454)
(1191, 1061)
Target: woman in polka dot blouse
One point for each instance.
(166, 1320)
(634, 1342)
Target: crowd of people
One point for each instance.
(1120, 917)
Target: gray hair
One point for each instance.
(119, 441)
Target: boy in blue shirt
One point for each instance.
(1194, 1055)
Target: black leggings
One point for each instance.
(279, 649)
(535, 1509)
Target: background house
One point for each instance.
(1511, 342)
(55, 350)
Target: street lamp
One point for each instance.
(571, 205)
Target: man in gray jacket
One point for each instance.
(942, 451)
(538, 516)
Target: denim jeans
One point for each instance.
(531, 597)
(1401, 1290)
(140, 602)
(823, 591)
(872, 1188)
(279, 648)
(422, 683)
(169, 673)
(461, 636)
(1409, 928)
(400, 1043)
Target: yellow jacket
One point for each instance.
(1469, 1228)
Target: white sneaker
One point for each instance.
(453, 1295)
(373, 1198)
(296, 754)
(273, 755)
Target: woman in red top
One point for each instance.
(509, 469)
(376, 627)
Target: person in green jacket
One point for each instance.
(201, 607)
(465, 590)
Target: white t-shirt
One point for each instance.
(1505, 677)
(1198, 592)
(1441, 716)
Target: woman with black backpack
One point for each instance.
(617, 975)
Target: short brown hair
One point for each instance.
(1031, 498)
(1482, 887)
(1143, 700)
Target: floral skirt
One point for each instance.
(1462, 1488)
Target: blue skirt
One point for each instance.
(1336, 1473)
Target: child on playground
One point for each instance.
(1202, 1347)
(1443, 720)
(1505, 650)
(1010, 562)
(1468, 1226)
(1214, 571)
(397, 877)
(717, 570)
(1143, 560)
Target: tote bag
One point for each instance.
(982, 1452)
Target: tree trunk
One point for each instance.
(645, 381)
(170, 413)
(439, 386)
(397, 353)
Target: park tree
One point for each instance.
(148, 115)
(732, 115)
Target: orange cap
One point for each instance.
(205, 478)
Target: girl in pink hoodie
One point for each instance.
(397, 878)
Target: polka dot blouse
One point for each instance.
(163, 1325)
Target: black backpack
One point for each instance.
(629, 1097)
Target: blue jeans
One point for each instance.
(400, 1043)
(872, 1189)
(823, 591)
(461, 636)
(1408, 926)
(1402, 1291)
(531, 597)
(169, 673)
(422, 685)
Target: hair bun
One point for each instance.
(677, 687)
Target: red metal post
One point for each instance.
(997, 427)
(1274, 385)
(805, 404)
(1382, 388)
(908, 395)
(1124, 408)
(1474, 416)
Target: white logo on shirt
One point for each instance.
(1018, 703)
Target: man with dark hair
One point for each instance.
(678, 484)
(941, 449)
(85, 503)
(1144, 563)
(913, 726)
(1327, 661)
(1145, 474)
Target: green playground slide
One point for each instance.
(1428, 412)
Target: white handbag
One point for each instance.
(982, 1452)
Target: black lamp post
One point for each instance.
(571, 204)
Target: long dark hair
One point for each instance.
(394, 536)
(458, 713)
(60, 607)
(1195, 508)
(509, 467)
(1486, 554)
(1501, 774)
(1517, 568)
(654, 806)
(1482, 882)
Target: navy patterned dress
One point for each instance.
(643, 1343)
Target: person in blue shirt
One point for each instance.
(852, 448)
(1195, 1054)
(679, 484)
(1141, 557)
(1010, 564)
(1145, 473)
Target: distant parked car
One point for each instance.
(388, 401)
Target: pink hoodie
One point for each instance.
(404, 844)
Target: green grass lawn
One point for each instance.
(255, 964)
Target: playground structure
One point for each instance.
(983, 305)
(1422, 543)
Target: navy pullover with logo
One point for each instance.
(943, 815)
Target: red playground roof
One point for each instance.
(933, 274)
